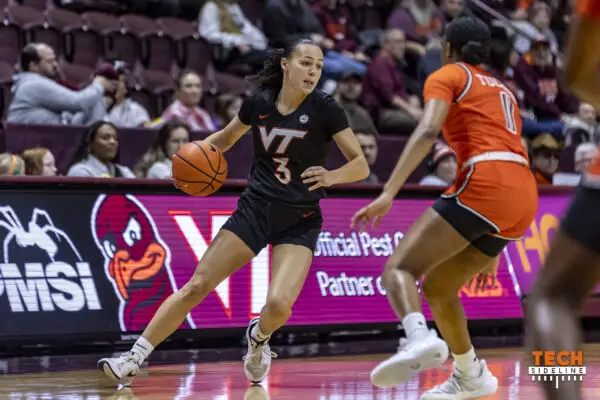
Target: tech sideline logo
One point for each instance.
(557, 366)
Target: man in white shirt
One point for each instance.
(39, 99)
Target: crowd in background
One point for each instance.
(375, 67)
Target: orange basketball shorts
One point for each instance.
(502, 193)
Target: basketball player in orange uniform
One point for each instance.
(493, 201)
(572, 267)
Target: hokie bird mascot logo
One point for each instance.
(137, 260)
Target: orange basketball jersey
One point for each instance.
(484, 114)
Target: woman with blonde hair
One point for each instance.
(156, 162)
(11, 165)
(39, 161)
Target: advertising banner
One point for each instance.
(82, 262)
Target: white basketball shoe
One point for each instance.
(461, 386)
(413, 356)
(257, 361)
(121, 369)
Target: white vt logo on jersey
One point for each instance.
(285, 133)
(67, 285)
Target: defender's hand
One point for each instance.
(374, 211)
(319, 175)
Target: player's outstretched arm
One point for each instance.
(416, 149)
(419, 144)
(228, 136)
(355, 170)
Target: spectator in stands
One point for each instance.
(384, 92)
(499, 65)
(289, 20)
(368, 144)
(431, 60)
(420, 20)
(156, 162)
(123, 111)
(585, 153)
(537, 25)
(186, 106)
(348, 92)
(39, 162)
(537, 75)
(582, 127)
(223, 24)
(39, 99)
(452, 9)
(227, 108)
(98, 155)
(520, 13)
(336, 22)
(11, 165)
(545, 154)
(442, 167)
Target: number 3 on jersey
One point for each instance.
(282, 173)
(508, 108)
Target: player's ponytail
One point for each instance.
(474, 53)
(271, 76)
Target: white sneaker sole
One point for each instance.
(490, 387)
(106, 367)
(399, 368)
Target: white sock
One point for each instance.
(467, 362)
(142, 348)
(258, 335)
(414, 325)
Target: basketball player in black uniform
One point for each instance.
(292, 125)
(572, 267)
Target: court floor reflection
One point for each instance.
(340, 378)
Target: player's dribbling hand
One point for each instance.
(174, 183)
(319, 175)
(375, 211)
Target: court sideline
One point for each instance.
(320, 378)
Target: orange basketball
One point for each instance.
(199, 168)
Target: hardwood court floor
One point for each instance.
(334, 378)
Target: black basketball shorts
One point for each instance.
(259, 221)
(582, 220)
(472, 227)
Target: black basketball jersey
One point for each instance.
(286, 145)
